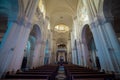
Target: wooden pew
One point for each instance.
(37, 73)
(23, 79)
(80, 73)
(41, 73)
(27, 76)
(90, 79)
(52, 75)
(93, 76)
(86, 73)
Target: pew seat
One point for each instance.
(86, 73)
(91, 79)
(93, 76)
(23, 79)
(27, 76)
(36, 73)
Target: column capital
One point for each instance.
(23, 21)
(100, 20)
(105, 19)
(94, 23)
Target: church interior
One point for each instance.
(60, 39)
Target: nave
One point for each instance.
(38, 36)
(60, 72)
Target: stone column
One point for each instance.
(42, 54)
(101, 47)
(83, 54)
(68, 50)
(57, 56)
(98, 46)
(30, 56)
(73, 60)
(74, 56)
(55, 51)
(13, 46)
(100, 39)
(36, 54)
(108, 39)
(49, 55)
(79, 53)
(6, 51)
(11, 52)
(113, 45)
(19, 48)
(24, 23)
(65, 53)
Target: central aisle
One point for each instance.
(61, 73)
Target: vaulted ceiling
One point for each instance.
(61, 12)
